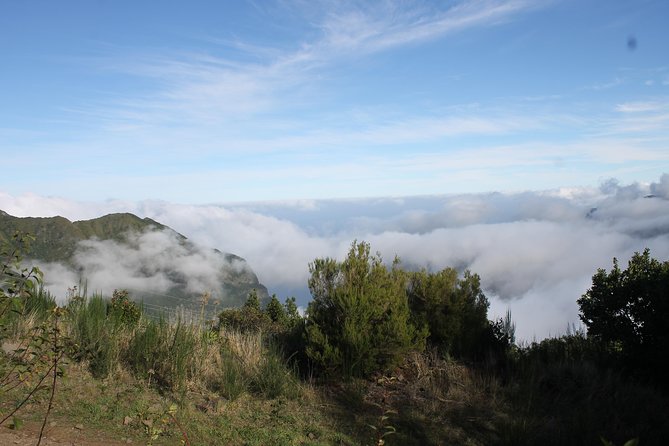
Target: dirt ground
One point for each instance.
(56, 435)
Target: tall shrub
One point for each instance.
(627, 311)
(453, 309)
(358, 321)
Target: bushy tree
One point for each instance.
(453, 309)
(293, 316)
(358, 321)
(275, 311)
(628, 310)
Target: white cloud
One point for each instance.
(638, 107)
(361, 28)
(535, 251)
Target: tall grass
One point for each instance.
(95, 337)
(177, 355)
(169, 355)
(25, 314)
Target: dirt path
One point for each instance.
(56, 435)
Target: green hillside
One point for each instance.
(57, 240)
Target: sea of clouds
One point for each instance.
(535, 251)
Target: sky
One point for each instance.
(478, 134)
(208, 101)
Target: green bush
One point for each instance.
(358, 321)
(122, 309)
(626, 310)
(248, 318)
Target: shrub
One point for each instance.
(454, 312)
(248, 318)
(122, 309)
(358, 321)
(627, 311)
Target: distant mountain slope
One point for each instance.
(157, 264)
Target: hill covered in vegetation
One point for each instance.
(158, 265)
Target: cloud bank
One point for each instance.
(535, 251)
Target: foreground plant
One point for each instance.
(40, 350)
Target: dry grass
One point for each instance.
(246, 346)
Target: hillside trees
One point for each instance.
(359, 319)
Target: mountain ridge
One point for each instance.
(61, 241)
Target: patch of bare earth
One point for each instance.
(57, 435)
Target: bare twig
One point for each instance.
(56, 356)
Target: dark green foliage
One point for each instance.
(122, 309)
(562, 391)
(248, 318)
(454, 310)
(627, 310)
(358, 321)
(275, 311)
(292, 315)
(252, 301)
(274, 319)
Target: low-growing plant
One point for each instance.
(273, 378)
(230, 381)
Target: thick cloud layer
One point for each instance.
(535, 251)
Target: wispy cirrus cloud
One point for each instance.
(362, 27)
(206, 88)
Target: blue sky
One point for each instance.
(218, 102)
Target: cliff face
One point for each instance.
(127, 249)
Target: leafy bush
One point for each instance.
(122, 309)
(358, 321)
(627, 311)
(248, 318)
